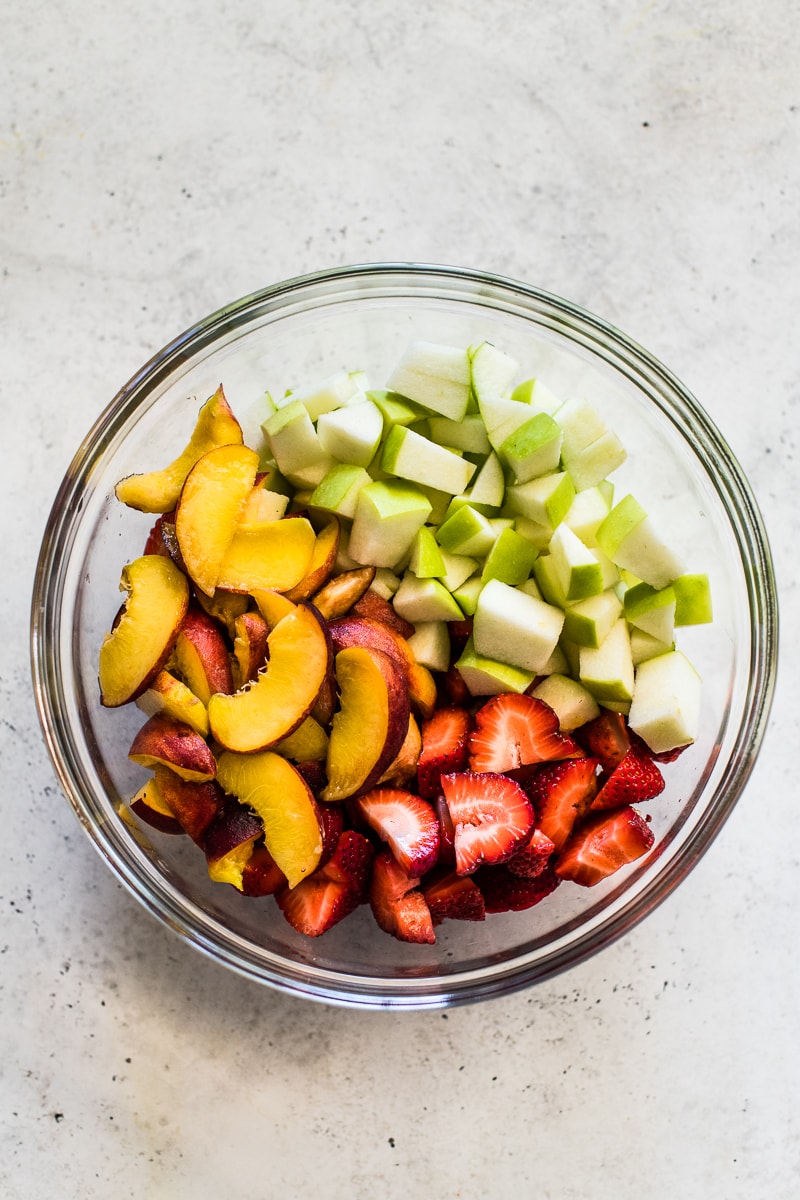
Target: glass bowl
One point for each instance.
(363, 317)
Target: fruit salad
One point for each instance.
(409, 651)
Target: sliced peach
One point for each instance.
(194, 804)
(279, 794)
(249, 647)
(404, 766)
(272, 606)
(270, 554)
(136, 649)
(223, 607)
(164, 742)
(173, 698)
(325, 703)
(151, 807)
(341, 592)
(272, 707)
(308, 743)
(229, 842)
(371, 724)
(210, 507)
(158, 491)
(364, 631)
(323, 561)
(201, 656)
(374, 606)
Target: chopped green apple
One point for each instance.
(489, 485)
(457, 569)
(589, 622)
(586, 514)
(628, 537)
(468, 434)
(467, 593)
(665, 709)
(338, 490)
(426, 560)
(572, 703)
(351, 434)
(651, 610)
(491, 371)
(581, 425)
(430, 643)
(388, 516)
(394, 408)
(577, 569)
(435, 376)
(591, 465)
(488, 677)
(416, 458)
(532, 449)
(425, 600)
(466, 532)
(644, 646)
(692, 600)
(545, 500)
(333, 393)
(293, 440)
(510, 558)
(513, 627)
(607, 671)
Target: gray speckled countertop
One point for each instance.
(157, 161)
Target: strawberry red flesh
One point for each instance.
(532, 859)
(602, 844)
(447, 850)
(561, 793)
(397, 903)
(262, 876)
(445, 748)
(492, 818)
(606, 738)
(503, 891)
(454, 897)
(634, 779)
(512, 731)
(406, 822)
(318, 903)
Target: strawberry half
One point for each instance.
(503, 891)
(397, 903)
(333, 891)
(634, 779)
(454, 897)
(262, 876)
(492, 818)
(445, 748)
(561, 793)
(447, 850)
(452, 689)
(532, 859)
(606, 738)
(602, 844)
(406, 822)
(512, 731)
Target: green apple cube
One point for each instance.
(351, 434)
(538, 535)
(439, 501)
(513, 627)
(271, 505)
(425, 600)
(651, 610)
(589, 622)
(426, 560)
(467, 593)
(487, 677)
(629, 539)
(337, 492)
(502, 416)
(430, 645)
(545, 500)
(499, 525)
(468, 434)
(293, 440)
(457, 569)
(416, 458)
(466, 532)
(644, 646)
(272, 479)
(533, 449)
(311, 475)
(385, 583)
(572, 654)
(531, 588)
(548, 582)
(557, 662)
(437, 377)
(665, 709)
(581, 425)
(489, 485)
(510, 559)
(537, 395)
(388, 517)
(577, 569)
(608, 670)
(692, 600)
(336, 391)
(586, 513)
(394, 408)
(572, 703)
(590, 466)
(343, 560)
(491, 371)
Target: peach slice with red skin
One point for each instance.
(224, 607)
(249, 647)
(372, 722)
(164, 742)
(174, 699)
(323, 561)
(138, 646)
(229, 842)
(404, 766)
(212, 500)
(280, 796)
(284, 692)
(151, 807)
(194, 804)
(364, 631)
(201, 656)
(374, 606)
(272, 605)
(267, 555)
(158, 491)
(340, 593)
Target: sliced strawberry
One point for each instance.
(453, 692)
(491, 815)
(503, 891)
(397, 903)
(406, 822)
(662, 756)
(561, 793)
(532, 859)
(634, 779)
(512, 731)
(314, 774)
(445, 739)
(331, 822)
(262, 876)
(453, 896)
(447, 849)
(602, 844)
(332, 892)
(606, 738)
(460, 633)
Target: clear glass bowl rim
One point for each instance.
(585, 329)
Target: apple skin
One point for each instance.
(372, 722)
(201, 655)
(162, 741)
